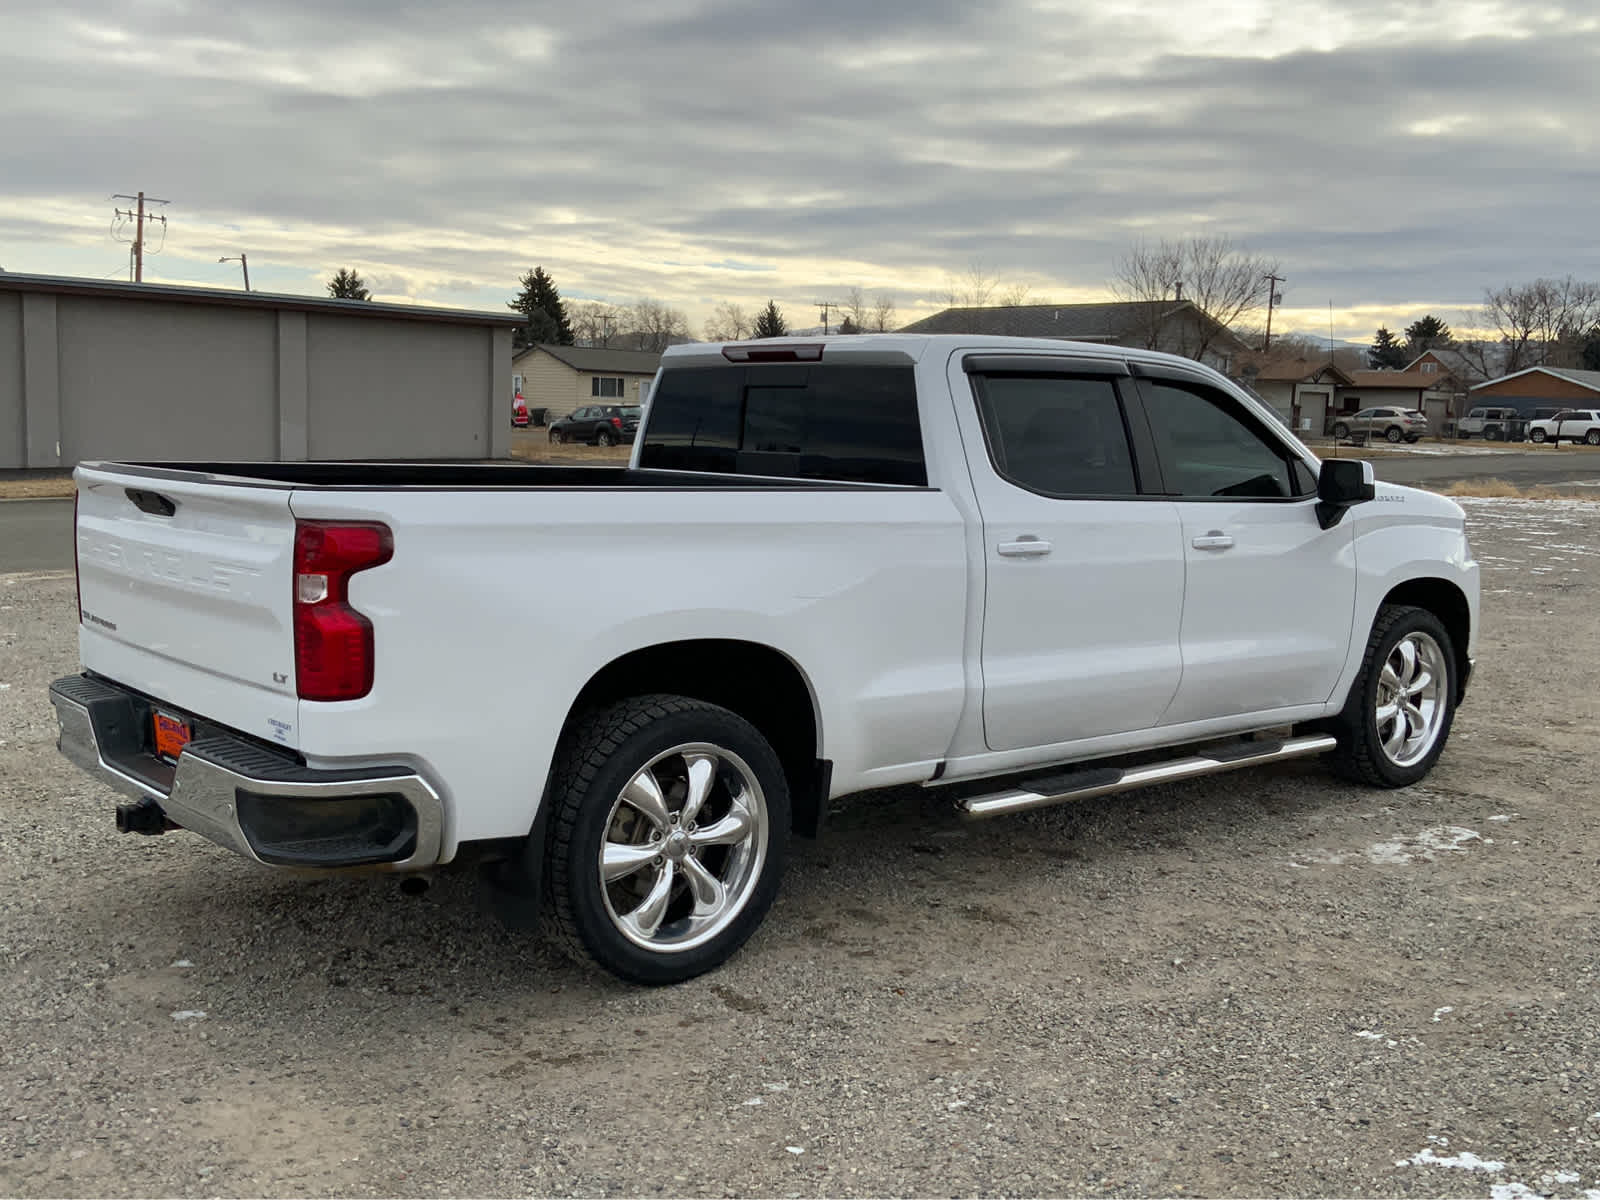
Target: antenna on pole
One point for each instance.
(1273, 299)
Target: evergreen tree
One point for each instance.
(348, 285)
(1387, 354)
(543, 312)
(1427, 333)
(1589, 355)
(770, 323)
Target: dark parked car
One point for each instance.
(598, 425)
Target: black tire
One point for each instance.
(604, 439)
(1538, 435)
(558, 436)
(1592, 438)
(1491, 435)
(597, 759)
(1341, 431)
(1393, 434)
(1361, 755)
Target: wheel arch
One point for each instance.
(762, 684)
(1448, 602)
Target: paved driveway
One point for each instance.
(35, 535)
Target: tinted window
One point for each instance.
(1055, 435)
(804, 422)
(1211, 447)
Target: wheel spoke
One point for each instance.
(619, 860)
(702, 774)
(1420, 683)
(1387, 679)
(1387, 713)
(1417, 723)
(709, 893)
(730, 831)
(646, 919)
(1396, 740)
(644, 794)
(1407, 650)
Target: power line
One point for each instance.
(1273, 281)
(825, 306)
(139, 217)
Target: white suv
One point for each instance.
(1575, 424)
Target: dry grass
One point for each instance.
(536, 447)
(1499, 489)
(51, 486)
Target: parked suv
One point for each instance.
(1393, 424)
(598, 425)
(1491, 424)
(1577, 424)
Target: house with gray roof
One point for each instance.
(560, 379)
(1175, 326)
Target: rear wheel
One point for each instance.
(604, 438)
(1394, 433)
(1341, 430)
(1402, 705)
(558, 436)
(1592, 438)
(1491, 435)
(668, 836)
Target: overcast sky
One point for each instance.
(1394, 158)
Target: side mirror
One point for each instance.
(1342, 484)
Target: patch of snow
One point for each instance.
(1440, 1012)
(752, 1102)
(188, 1014)
(1465, 1161)
(1369, 1035)
(795, 1149)
(1504, 816)
(776, 1087)
(183, 962)
(1560, 1177)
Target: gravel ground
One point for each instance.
(1269, 983)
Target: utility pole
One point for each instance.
(243, 262)
(1272, 301)
(139, 218)
(825, 306)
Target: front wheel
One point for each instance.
(1341, 431)
(1401, 706)
(668, 836)
(1538, 435)
(558, 437)
(1592, 438)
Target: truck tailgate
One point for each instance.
(186, 592)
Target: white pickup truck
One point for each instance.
(1026, 571)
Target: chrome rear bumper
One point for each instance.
(250, 799)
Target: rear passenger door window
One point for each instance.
(1058, 436)
(1211, 447)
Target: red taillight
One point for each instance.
(617, 421)
(333, 648)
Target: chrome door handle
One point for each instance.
(1026, 546)
(1215, 540)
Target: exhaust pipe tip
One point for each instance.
(415, 885)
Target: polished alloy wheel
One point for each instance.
(684, 847)
(1410, 705)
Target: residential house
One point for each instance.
(1175, 326)
(1448, 362)
(1541, 388)
(1437, 395)
(1301, 390)
(558, 379)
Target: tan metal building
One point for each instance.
(93, 369)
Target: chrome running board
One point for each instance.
(1089, 782)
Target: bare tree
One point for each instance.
(1543, 323)
(856, 310)
(882, 318)
(652, 325)
(1015, 295)
(728, 323)
(1225, 281)
(593, 323)
(972, 288)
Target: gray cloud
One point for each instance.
(840, 142)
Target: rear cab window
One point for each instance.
(819, 421)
